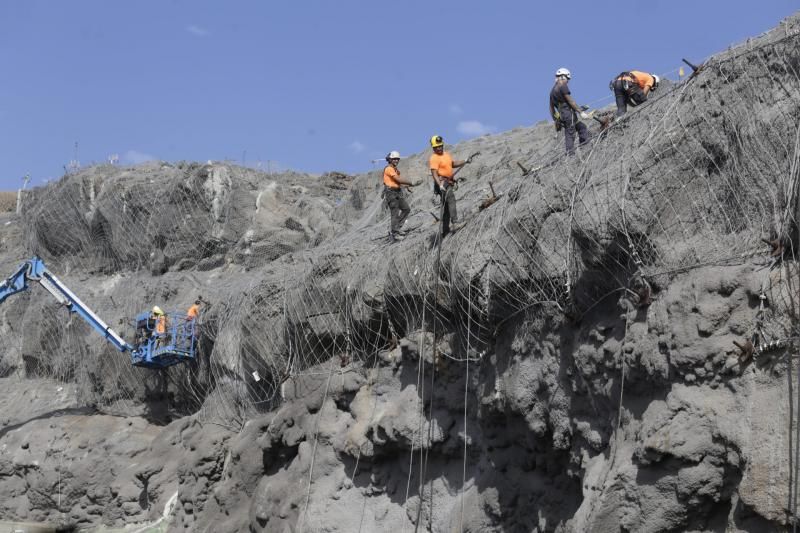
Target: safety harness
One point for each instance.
(627, 79)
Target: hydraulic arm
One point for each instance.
(35, 270)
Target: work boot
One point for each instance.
(455, 226)
(395, 236)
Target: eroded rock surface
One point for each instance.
(606, 347)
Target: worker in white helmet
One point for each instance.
(566, 113)
(160, 325)
(393, 184)
(632, 88)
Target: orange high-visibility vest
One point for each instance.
(161, 325)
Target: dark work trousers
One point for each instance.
(398, 207)
(449, 212)
(571, 123)
(633, 95)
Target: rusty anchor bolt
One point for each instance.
(642, 291)
(746, 351)
(604, 121)
(488, 201)
(695, 68)
(776, 247)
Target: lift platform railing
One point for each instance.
(155, 350)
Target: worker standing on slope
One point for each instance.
(442, 164)
(566, 113)
(393, 184)
(632, 88)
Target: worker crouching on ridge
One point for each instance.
(632, 88)
(566, 113)
(442, 164)
(393, 184)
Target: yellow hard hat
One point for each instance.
(437, 141)
(157, 310)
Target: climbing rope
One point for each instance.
(796, 457)
(435, 355)
(617, 436)
(420, 387)
(621, 378)
(370, 384)
(466, 399)
(314, 450)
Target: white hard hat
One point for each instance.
(563, 72)
(656, 81)
(157, 310)
(394, 154)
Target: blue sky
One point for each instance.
(318, 85)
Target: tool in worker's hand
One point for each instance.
(453, 177)
(469, 160)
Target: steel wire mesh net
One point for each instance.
(298, 271)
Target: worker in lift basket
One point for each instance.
(194, 310)
(161, 326)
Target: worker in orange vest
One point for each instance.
(632, 88)
(194, 310)
(160, 325)
(442, 164)
(393, 184)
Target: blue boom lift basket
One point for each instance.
(177, 345)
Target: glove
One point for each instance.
(584, 115)
(445, 185)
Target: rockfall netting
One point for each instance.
(298, 270)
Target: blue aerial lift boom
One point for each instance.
(149, 350)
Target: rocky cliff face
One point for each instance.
(607, 345)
